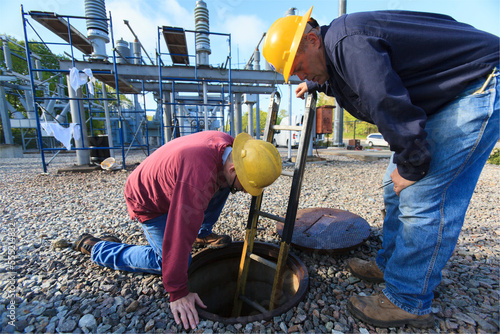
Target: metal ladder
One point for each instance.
(291, 213)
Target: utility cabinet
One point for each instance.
(324, 119)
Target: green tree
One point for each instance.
(350, 122)
(262, 121)
(325, 100)
(281, 114)
(48, 60)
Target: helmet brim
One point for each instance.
(295, 44)
(238, 146)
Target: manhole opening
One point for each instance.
(213, 275)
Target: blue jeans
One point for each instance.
(148, 259)
(422, 225)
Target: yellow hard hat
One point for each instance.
(257, 163)
(282, 41)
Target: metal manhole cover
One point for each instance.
(326, 229)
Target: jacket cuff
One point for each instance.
(174, 295)
(411, 173)
(312, 86)
(413, 163)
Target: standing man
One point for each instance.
(430, 85)
(177, 195)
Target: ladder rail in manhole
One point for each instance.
(291, 213)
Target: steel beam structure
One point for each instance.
(149, 73)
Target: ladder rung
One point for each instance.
(286, 173)
(288, 127)
(270, 216)
(253, 304)
(260, 259)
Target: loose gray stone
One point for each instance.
(363, 330)
(132, 307)
(102, 328)
(38, 310)
(149, 325)
(60, 243)
(88, 321)
(66, 325)
(29, 329)
(465, 318)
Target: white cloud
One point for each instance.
(246, 31)
(145, 17)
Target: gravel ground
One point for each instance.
(48, 287)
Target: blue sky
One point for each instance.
(246, 21)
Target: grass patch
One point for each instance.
(494, 157)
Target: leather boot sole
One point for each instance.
(426, 322)
(356, 273)
(81, 243)
(86, 242)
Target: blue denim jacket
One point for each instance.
(394, 68)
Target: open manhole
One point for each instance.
(213, 274)
(328, 230)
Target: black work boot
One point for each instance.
(213, 241)
(86, 242)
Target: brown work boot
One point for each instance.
(86, 242)
(366, 270)
(213, 241)
(379, 311)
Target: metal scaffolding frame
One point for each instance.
(172, 127)
(61, 26)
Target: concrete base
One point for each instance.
(360, 155)
(11, 151)
(365, 155)
(309, 159)
(79, 169)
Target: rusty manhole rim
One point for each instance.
(293, 262)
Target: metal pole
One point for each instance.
(145, 115)
(237, 111)
(313, 135)
(231, 110)
(338, 119)
(232, 129)
(137, 39)
(115, 71)
(342, 7)
(6, 54)
(109, 129)
(166, 118)
(77, 116)
(173, 107)
(205, 101)
(290, 123)
(32, 82)
(257, 117)
(250, 119)
(138, 117)
(7, 132)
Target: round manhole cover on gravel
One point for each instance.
(329, 230)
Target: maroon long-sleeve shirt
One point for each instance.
(180, 178)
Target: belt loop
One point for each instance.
(494, 73)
